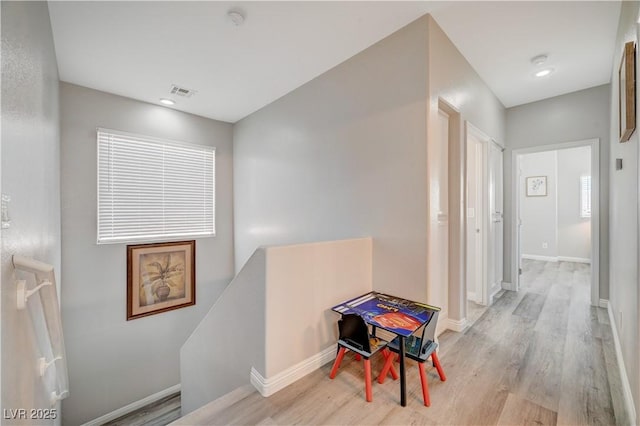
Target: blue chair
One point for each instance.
(420, 349)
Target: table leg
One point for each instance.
(403, 383)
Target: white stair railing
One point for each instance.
(46, 287)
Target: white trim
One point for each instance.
(556, 258)
(485, 141)
(604, 303)
(538, 257)
(472, 297)
(626, 387)
(456, 325)
(508, 286)
(133, 406)
(595, 208)
(271, 385)
(495, 290)
(574, 259)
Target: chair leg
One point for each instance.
(388, 364)
(337, 362)
(425, 385)
(367, 379)
(387, 353)
(436, 363)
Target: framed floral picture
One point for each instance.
(160, 277)
(537, 186)
(627, 91)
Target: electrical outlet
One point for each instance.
(545, 245)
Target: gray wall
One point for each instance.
(624, 256)
(574, 232)
(113, 362)
(555, 218)
(540, 214)
(576, 116)
(31, 176)
(453, 80)
(343, 156)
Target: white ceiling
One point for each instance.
(139, 49)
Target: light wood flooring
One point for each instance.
(159, 413)
(539, 356)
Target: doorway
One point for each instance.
(476, 216)
(556, 205)
(438, 239)
(484, 227)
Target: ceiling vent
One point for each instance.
(181, 91)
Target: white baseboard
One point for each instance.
(603, 303)
(133, 406)
(271, 385)
(626, 387)
(456, 325)
(493, 291)
(556, 258)
(574, 259)
(506, 286)
(538, 257)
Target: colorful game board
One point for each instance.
(397, 315)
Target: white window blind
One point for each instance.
(585, 196)
(152, 189)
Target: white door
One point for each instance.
(496, 230)
(438, 238)
(475, 218)
(518, 244)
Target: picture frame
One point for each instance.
(627, 91)
(537, 186)
(160, 277)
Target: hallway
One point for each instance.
(542, 355)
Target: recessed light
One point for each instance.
(165, 101)
(543, 73)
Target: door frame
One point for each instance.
(595, 208)
(491, 290)
(484, 140)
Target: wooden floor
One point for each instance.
(159, 413)
(539, 356)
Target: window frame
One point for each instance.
(205, 149)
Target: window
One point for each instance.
(152, 189)
(585, 196)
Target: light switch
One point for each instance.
(618, 163)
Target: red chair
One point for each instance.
(419, 349)
(354, 335)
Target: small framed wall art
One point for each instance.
(160, 277)
(627, 91)
(537, 186)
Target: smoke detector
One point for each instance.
(539, 60)
(236, 17)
